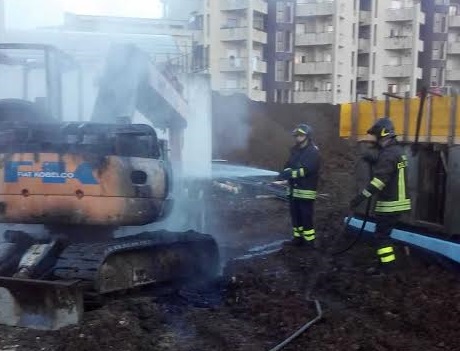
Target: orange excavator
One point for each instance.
(83, 180)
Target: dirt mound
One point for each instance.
(259, 134)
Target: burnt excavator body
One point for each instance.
(81, 174)
(82, 181)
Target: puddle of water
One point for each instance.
(262, 250)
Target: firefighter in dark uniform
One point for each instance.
(301, 175)
(389, 185)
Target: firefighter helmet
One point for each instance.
(303, 129)
(383, 127)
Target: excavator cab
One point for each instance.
(35, 81)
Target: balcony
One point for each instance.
(363, 73)
(407, 14)
(234, 5)
(232, 91)
(259, 66)
(365, 18)
(453, 48)
(454, 21)
(258, 95)
(453, 74)
(234, 34)
(307, 8)
(402, 43)
(400, 15)
(320, 97)
(364, 45)
(313, 68)
(314, 39)
(399, 71)
(238, 5)
(237, 64)
(259, 36)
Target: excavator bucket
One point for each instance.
(39, 304)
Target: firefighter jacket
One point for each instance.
(301, 170)
(389, 182)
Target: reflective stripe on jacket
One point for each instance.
(389, 181)
(301, 171)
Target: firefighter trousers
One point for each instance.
(302, 211)
(382, 241)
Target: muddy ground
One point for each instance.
(260, 301)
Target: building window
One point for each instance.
(259, 23)
(288, 13)
(392, 88)
(288, 41)
(452, 10)
(373, 88)
(284, 12)
(376, 8)
(282, 71)
(438, 50)
(284, 41)
(300, 85)
(300, 28)
(354, 31)
(286, 96)
(327, 86)
(278, 94)
(280, 45)
(439, 25)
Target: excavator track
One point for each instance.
(151, 257)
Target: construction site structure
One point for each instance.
(83, 180)
(429, 129)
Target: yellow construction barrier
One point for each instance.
(440, 119)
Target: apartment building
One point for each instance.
(452, 74)
(389, 56)
(230, 42)
(326, 51)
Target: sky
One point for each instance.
(27, 14)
